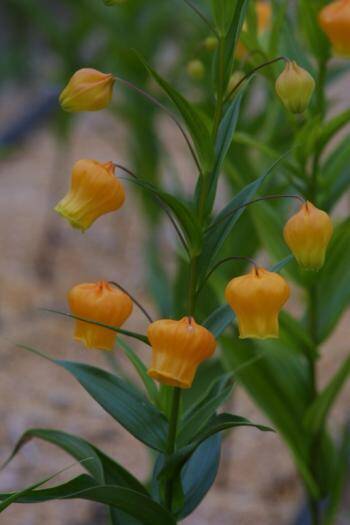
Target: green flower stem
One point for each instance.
(221, 87)
(171, 442)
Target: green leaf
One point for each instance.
(330, 128)
(339, 478)
(333, 283)
(218, 423)
(188, 220)
(317, 39)
(194, 122)
(279, 385)
(199, 414)
(8, 499)
(223, 316)
(199, 473)
(335, 177)
(317, 414)
(226, 220)
(122, 402)
(232, 36)
(127, 333)
(100, 466)
(147, 511)
(222, 12)
(148, 382)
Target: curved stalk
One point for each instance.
(251, 73)
(223, 261)
(161, 204)
(171, 442)
(156, 102)
(143, 310)
(259, 199)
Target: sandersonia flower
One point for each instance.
(94, 191)
(295, 86)
(257, 298)
(334, 19)
(307, 234)
(99, 302)
(178, 347)
(87, 90)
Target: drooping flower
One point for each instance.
(87, 90)
(94, 191)
(334, 19)
(178, 347)
(295, 86)
(99, 302)
(307, 234)
(257, 298)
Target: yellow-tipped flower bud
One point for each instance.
(295, 87)
(307, 234)
(99, 302)
(87, 90)
(257, 298)
(196, 69)
(211, 43)
(235, 78)
(94, 191)
(334, 19)
(178, 347)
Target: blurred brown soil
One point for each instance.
(257, 484)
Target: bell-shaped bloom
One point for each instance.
(94, 191)
(99, 302)
(87, 90)
(178, 347)
(307, 234)
(257, 298)
(295, 86)
(334, 19)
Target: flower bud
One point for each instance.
(235, 78)
(334, 19)
(178, 347)
(94, 191)
(295, 86)
(256, 298)
(87, 90)
(211, 43)
(307, 234)
(102, 303)
(195, 69)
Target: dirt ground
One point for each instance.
(257, 484)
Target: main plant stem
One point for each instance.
(171, 442)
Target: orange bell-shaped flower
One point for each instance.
(307, 234)
(87, 90)
(94, 191)
(178, 347)
(334, 19)
(99, 302)
(257, 298)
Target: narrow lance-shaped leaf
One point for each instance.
(122, 401)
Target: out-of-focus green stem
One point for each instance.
(220, 87)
